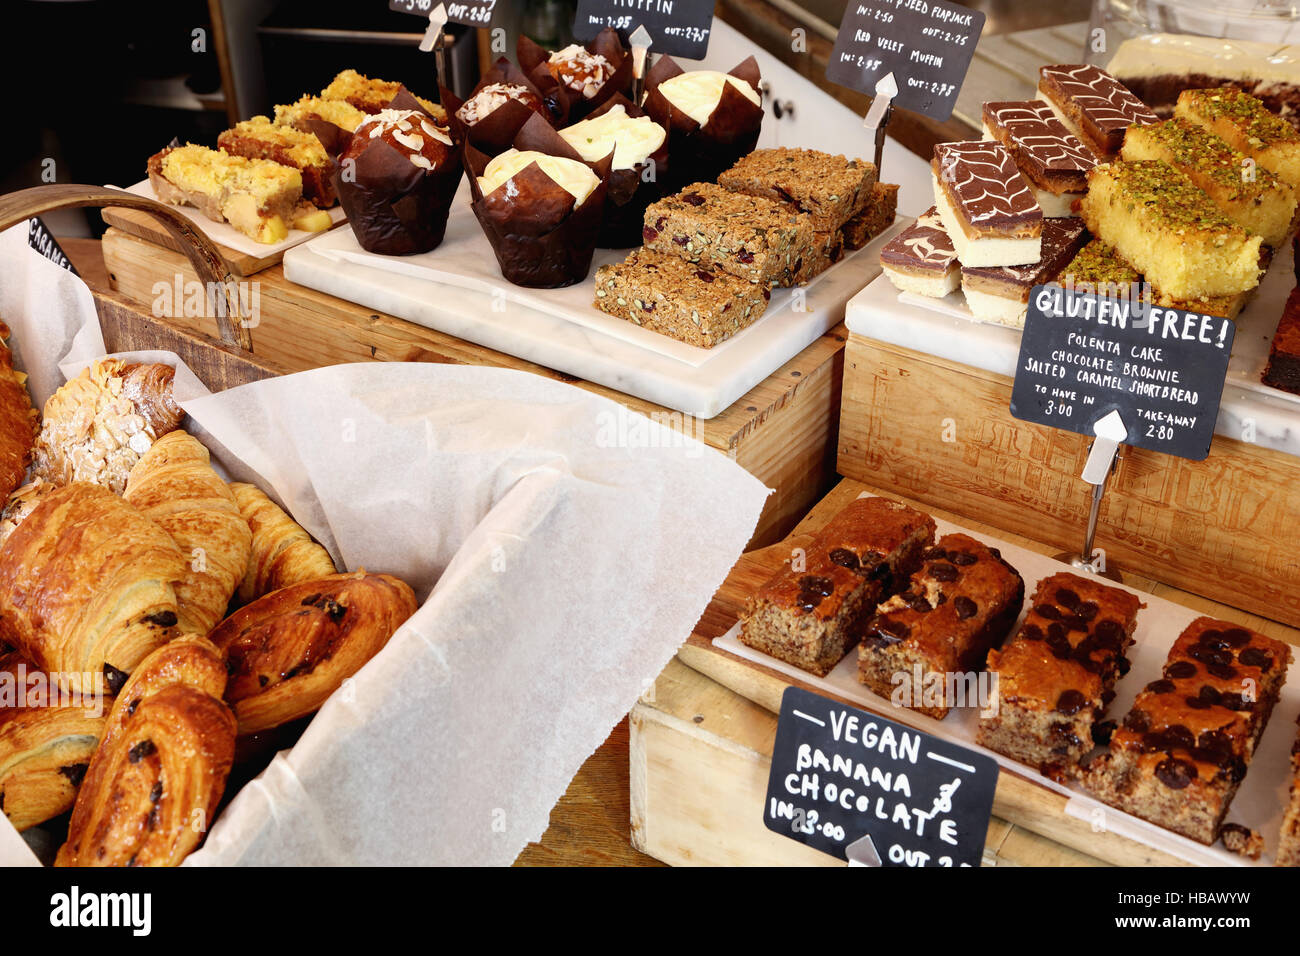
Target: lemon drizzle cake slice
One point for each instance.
(256, 196)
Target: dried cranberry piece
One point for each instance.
(1070, 702)
(844, 558)
(680, 240)
(1067, 598)
(1174, 773)
(1160, 686)
(1180, 670)
(695, 199)
(1254, 657)
(745, 256)
(649, 235)
(704, 276)
(965, 607)
(1048, 611)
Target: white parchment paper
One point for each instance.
(561, 547)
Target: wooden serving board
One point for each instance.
(783, 431)
(1020, 800)
(145, 226)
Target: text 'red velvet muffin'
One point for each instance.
(397, 178)
(540, 206)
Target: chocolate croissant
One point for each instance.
(288, 651)
(46, 743)
(96, 427)
(17, 421)
(86, 586)
(151, 791)
(283, 553)
(174, 485)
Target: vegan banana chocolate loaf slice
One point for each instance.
(810, 613)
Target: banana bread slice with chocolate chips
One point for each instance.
(810, 612)
(923, 648)
(1183, 749)
(1055, 676)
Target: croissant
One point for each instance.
(21, 503)
(288, 651)
(96, 427)
(46, 743)
(174, 484)
(17, 421)
(86, 586)
(283, 553)
(191, 660)
(151, 790)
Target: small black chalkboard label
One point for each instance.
(926, 44)
(678, 27)
(840, 774)
(1083, 356)
(470, 13)
(40, 239)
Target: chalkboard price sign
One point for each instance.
(1084, 356)
(470, 13)
(926, 44)
(840, 774)
(678, 27)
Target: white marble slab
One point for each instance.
(1251, 410)
(560, 329)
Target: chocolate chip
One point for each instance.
(1237, 637)
(1048, 611)
(1110, 632)
(1196, 703)
(162, 618)
(934, 554)
(812, 589)
(1067, 598)
(1056, 632)
(1074, 623)
(1059, 646)
(114, 678)
(1160, 686)
(1174, 773)
(311, 599)
(888, 632)
(1234, 702)
(263, 680)
(962, 558)
(75, 772)
(1222, 671)
(156, 792)
(965, 607)
(1215, 744)
(1102, 732)
(1070, 702)
(130, 708)
(1086, 610)
(144, 748)
(1254, 657)
(1213, 639)
(1179, 736)
(1032, 632)
(1137, 721)
(1208, 654)
(1209, 695)
(844, 558)
(1065, 734)
(151, 820)
(1180, 670)
(919, 604)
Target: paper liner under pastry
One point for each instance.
(542, 239)
(533, 60)
(701, 153)
(394, 207)
(631, 191)
(496, 132)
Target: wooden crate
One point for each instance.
(941, 433)
(782, 431)
(700, 757)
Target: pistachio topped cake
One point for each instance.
(1248, 126)
(1170, 230)
(1252, 197)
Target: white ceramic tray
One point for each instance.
(1259, 801)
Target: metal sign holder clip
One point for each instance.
(1102, 458)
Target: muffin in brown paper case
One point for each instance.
(536, 62)
(495, 131)
(394, 206)
(541, 236)
(631, 190)
(701, 152)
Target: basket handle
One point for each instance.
(203, 254)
